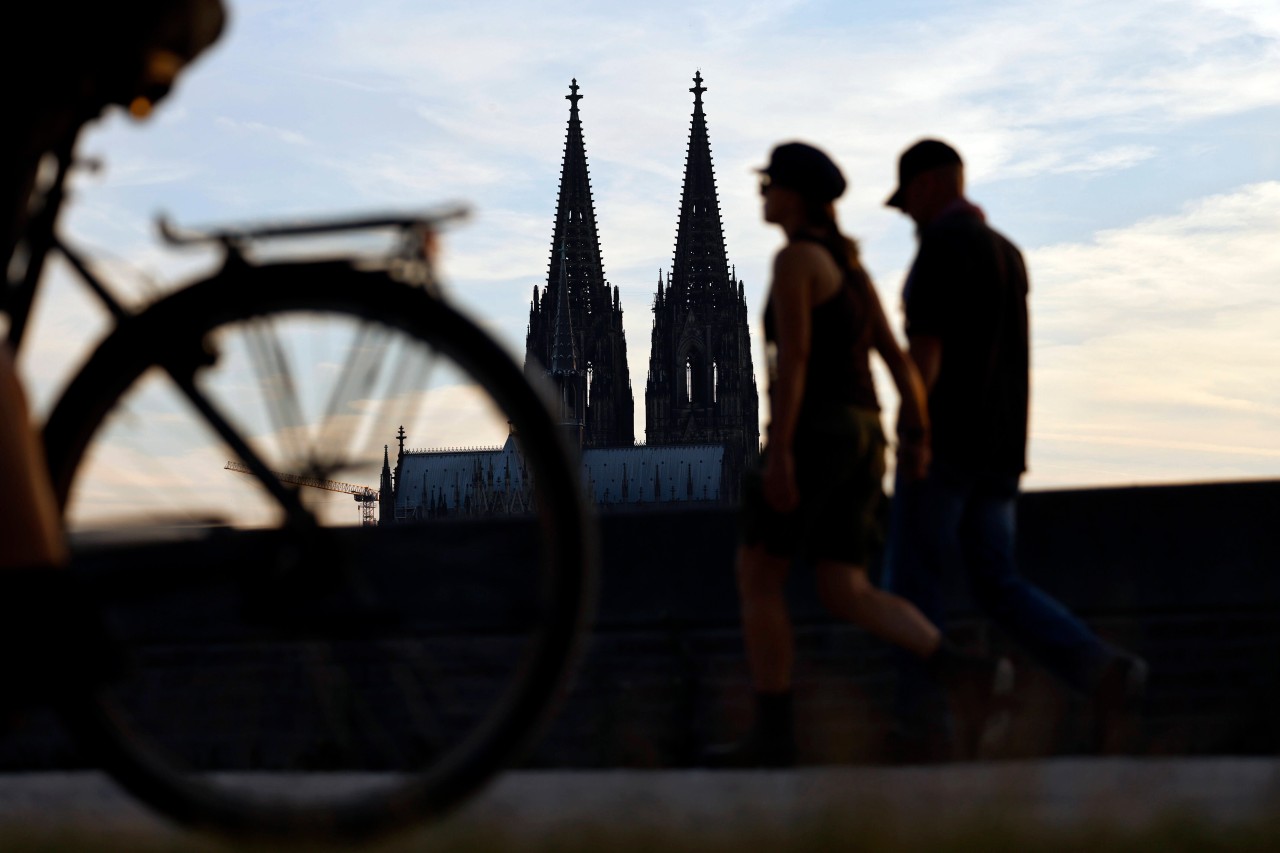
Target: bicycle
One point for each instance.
(288, 672)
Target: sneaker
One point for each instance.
(1118, 701)
(979, 690)
(998, 719)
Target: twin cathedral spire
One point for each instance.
(701, 407)
(577, 317)
(700, 388)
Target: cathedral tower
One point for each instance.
(577, 301)
(701, 388)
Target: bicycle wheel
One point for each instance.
(291, 670)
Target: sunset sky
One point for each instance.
(1131, 149)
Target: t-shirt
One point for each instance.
(968, 287)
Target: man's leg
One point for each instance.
(912, 563)
(923, 522)
(1049, 631)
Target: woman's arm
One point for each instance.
(913, 413)
(791, 297)
(30, 526)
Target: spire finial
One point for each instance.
(573, 97)
(698, 88)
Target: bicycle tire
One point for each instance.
(200, 791)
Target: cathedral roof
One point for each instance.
(451, 477)
(613, 476)
(649, 474)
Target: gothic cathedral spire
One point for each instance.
(575, 283)
(701, 387)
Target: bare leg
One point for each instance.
(849, 594)
(766, 623)
(30, 531)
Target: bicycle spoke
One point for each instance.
(408, 380)
(334, 444)
(278, 391)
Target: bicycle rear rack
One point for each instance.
(425, 222)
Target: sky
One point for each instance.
(1131, 149)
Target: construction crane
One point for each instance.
(365, 496)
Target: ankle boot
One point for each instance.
(769, 743)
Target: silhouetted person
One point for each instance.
(966, 321)
(820, 491)
(63, 63)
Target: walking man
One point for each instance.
(966, 322)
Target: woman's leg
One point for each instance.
(766, 623)
(770, 645)
(849, 594)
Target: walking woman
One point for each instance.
(819, 494)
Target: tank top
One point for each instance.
(840, 336)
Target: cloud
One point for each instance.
(1160, 337)
(279, 134)
(1110, 159)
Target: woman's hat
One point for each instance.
(805, 169)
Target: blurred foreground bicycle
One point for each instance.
(288, 670)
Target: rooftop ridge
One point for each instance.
(429, 451)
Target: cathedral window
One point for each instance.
(695, 379)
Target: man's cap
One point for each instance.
(805, 169)
(919, 158)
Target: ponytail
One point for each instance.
(843, 249)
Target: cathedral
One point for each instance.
(701, 404)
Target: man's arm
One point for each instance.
(929, 305)
(926, 352)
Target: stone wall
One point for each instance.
(1185, 575)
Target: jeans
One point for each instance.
(961, 521)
